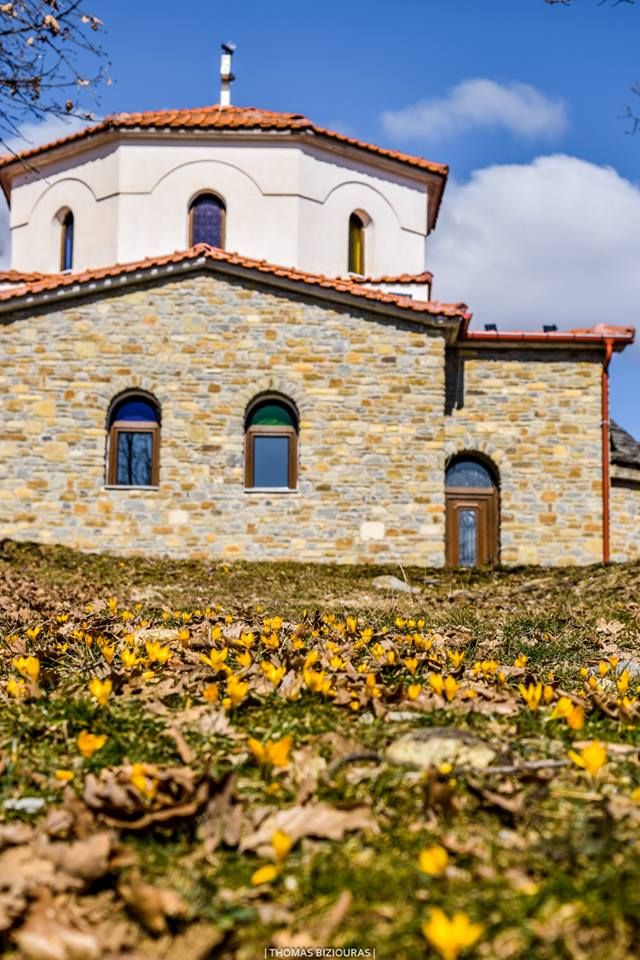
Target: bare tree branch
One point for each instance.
(50, 59)
(601, 3)
(629, 114)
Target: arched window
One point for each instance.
(206, 220)
(468, 473)
(66, 241)
(472, 508)
(356, 244)
(271, 445)
(134, 442)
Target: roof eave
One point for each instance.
(110, 129)
(477, 338)
(441, 323)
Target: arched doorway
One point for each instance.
(472, 512)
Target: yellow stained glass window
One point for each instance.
(356, 244)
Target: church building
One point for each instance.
(219, 339)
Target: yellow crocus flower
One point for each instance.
(531, 694)
(450, 688)
(450, 936)
(591, 758)
(89, 743)
(433, 860)
(281, 843)
(28, 667)
(100, 689)
(265, 874)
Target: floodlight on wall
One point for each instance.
(549, 327)
(226, 74)
(491, 327)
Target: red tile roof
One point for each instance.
(19, 276)
(621, 336)
(59, 281)
(224, 118)
(425, 277)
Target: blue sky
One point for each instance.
(541, 219)
(344, 63)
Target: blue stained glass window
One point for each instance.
(135, 409)
(135, 458)
(467, 537)
(468, 473)
(207, 218)
(270, 461)
(67, 242)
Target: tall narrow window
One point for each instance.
(271, 441)
(206, 220)
(134, 441)
(356, 244)
(66, 242)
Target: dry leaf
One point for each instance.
(315, 820)
(151, 905)
(85, 859)
(180, 794)
(45, 937)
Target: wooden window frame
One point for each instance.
(267, 431)
(133, 426)
(223, 226)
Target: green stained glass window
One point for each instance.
(271, 414)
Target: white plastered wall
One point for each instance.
(287, 203)
(89, 189)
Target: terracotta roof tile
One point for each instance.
(58, 281)
(223, 118)
(19, 276)
(425, 277)
(620, 336)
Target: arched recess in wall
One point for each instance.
(65, 225)
(472, 500)
(133, 440)
(207, 219)
(360, 230)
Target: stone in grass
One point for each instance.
(393, 583)
(633, 666)
(433, 746)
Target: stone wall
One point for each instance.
(625, 514)
(369, 393)
(536, 413)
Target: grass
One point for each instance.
(546, 860)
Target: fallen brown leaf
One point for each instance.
(180, 794)
(314, 820)
(151, 905)
(43, 938)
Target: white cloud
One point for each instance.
(31, 134)
(42, 131)
(553, 241)
(480, 104)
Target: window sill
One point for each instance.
(122, 486)
(271, 490)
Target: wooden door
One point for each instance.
(471, 527)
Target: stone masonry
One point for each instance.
(369, 395)
(625, 514)
(378, 420)
(536, 414)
